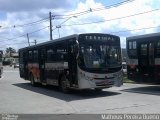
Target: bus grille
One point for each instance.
(105, 83)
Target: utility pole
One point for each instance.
(28, 39)
(50, 19)
(35, 41)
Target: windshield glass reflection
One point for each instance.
(101, 56)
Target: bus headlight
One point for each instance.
(88, 78)
(137, 70)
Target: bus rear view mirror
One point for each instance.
(76, 49)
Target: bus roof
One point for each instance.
(143, 36)
(60, 39)
(51, 41)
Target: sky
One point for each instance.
(124, 19)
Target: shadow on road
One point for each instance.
(152, 90)
(74, 95)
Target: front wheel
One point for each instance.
(63, 85)
(98, 89)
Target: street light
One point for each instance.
(59, 26)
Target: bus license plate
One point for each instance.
(105, 82)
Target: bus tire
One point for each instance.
(63, 84)
(32, 81)
(98, 89)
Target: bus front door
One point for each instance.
(42, 66)
(72, 62)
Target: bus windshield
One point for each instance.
(101, 56)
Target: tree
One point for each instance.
(9, 51)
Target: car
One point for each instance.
(16, 65)
(124, 68)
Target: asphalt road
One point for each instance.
(17, 96)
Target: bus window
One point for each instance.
(43, 54)
(21, 58)
(132, 49)
(30, 55)
(35, 55)
(158, 49)
(50, 55)
(134, 45)
(151, 54)
(61, 52)
(144, 49)
(130, 45)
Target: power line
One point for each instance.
(88, 23)
(114, 5)
(16, 43)
(38, 30)
(97, 9)
(136, 29)
(69, 15)
(27, 24)
(25, 34)
(3, 37)
(114, 18)
(145, 28)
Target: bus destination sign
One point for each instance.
(101, 38)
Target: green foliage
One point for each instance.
(10, 50)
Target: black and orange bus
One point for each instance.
(81, 61)
(143, 63)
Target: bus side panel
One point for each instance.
(132, 69)
(157, 70)
(23, 60)
(33, 69)
(53, 70)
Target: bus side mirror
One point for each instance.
(76, 49)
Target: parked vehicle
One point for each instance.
(16, 65)
(124, 67)
(143, 64)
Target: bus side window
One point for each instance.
(61, 52)
(144, 49)
(35, 55)
(50, 55)
(30, 56)
(132, 49)
(130, 45)
(21, 58)
(158, 49)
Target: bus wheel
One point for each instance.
(98, 89)
(63, 84)
(32, 81)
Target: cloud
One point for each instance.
(116, 26)
(25, 11)
(32, 5)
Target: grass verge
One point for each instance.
(126, 80)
